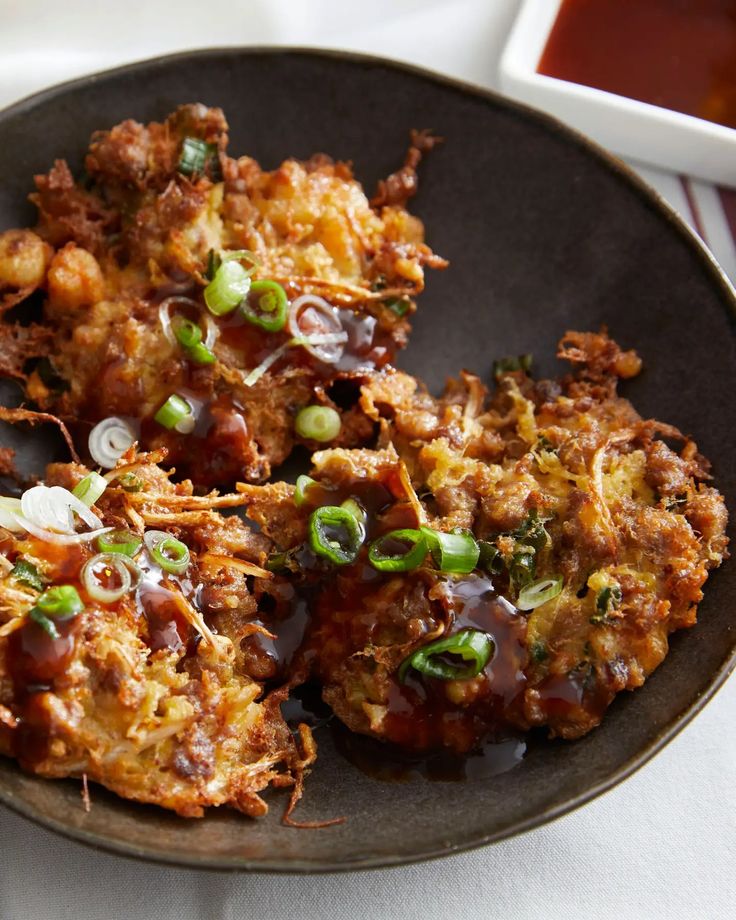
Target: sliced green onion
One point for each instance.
(539, 592)
(109, 567)
(201, 354)
(470, 645)
(60, 602)
(119, 541)
(410, 551)
(89, 489)
(356, 509)
(522, 567)
(213, 263)
(187, 333)
(176, 413)
(607, 600)
(129, 482)
(318, 423)
(48, 626)
(489, 558)
(511, 363)
(168, 552)
(194, 155)
(227, 289)
(455, 553)
(335, 534)
(302, 484)
(27, 574)
(266, 305)
(532, 531)
(399, 305)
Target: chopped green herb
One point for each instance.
(511, 363)
(490, 558)
(27, 573)
(129, 482)
(532, 531)
(538, 652)
(399, 305)
(607, 600)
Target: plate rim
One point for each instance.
(651, 197)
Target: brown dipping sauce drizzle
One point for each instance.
(37, 661)
(418, 710)
(221, 447)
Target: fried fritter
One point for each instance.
(124, 252)
(151, 691)
(567, 490)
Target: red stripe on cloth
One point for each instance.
(728, 203)
(693, 205)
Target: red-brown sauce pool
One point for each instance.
(677, 54)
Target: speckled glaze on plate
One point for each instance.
(545, 233)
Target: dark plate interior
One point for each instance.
(544, 233)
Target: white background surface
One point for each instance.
(662, 845)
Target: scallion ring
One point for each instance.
(109, 440)
(119, 541)
(187, 332)
(60, 602)
(398, 551)
(266, 306)
(89, 489)
(189, 336)
(194, 155)
(300, 492)
(318, 423)
(176, 414)
(9, 508)
(168, 552)
(201, 354)
(490, 558)
(311, 316)
(356, 509)
(539, 592)
(109, 576)
(434, 659)
(335, 534)
(454, 553)
(227, 289)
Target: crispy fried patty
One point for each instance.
(561, 481)
(158, 695)
(141, 228)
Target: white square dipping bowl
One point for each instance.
(630, 128)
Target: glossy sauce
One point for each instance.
(390, 764)
(350, 612)
(421, 715)
(156, 601)
(222, 448)
(678, 54)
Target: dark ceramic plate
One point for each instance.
(545, 233)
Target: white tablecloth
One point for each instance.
(662, 845)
